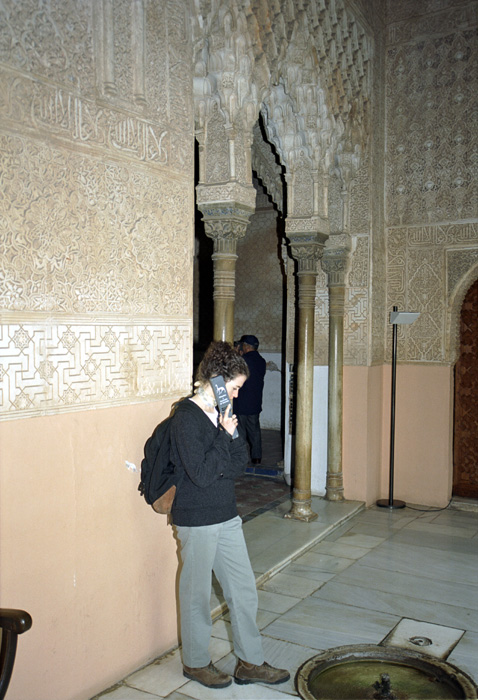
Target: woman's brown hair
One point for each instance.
(221, 359)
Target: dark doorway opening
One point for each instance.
(465, 449)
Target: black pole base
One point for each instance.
(385, 503)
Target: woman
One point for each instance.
(209, 528)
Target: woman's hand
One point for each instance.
(228, 421)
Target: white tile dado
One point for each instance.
(435, 640)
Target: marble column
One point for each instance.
(306, 250)
(225, 223)
(335, 262)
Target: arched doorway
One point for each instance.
(465, 451)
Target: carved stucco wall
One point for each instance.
(431, 195)
(97, 199)
(360, 214)
(260, 278)
(95, 109)
(423, 255)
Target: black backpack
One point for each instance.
(159, 477)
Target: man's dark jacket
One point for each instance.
(249, 401)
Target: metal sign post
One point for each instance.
(396, 317)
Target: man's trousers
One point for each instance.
(250, 429)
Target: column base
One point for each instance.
(334, 493)
(301, 510)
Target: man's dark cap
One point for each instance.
(250, 340)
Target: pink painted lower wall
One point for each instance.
(82, 552)
(362, 432)
(423, 463)
(423, 466)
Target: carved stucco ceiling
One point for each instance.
(305, 66)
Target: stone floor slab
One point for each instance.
(435, 640)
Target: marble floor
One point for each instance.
(353, 576)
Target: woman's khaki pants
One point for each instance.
(220, 548)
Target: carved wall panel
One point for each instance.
(121, 16)
(85, 236)
(336, 205)
(52, 364)
(356, 325)
(425, 264)
(321, 320)
(301, 194)
(356, 309)
(360, 199)
(357, 305)
(259, 305)
(96, 243)
(435, 15)
(53, 40)
(430, 103)
(431, 179)
(376, 196)
(168, 56)
(217, 166)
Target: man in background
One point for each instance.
(248, 405)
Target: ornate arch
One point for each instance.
(454, 312)
(308, 72)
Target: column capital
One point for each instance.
(225, 223)
(226, 210)
(306, 242)
(226, 194)
(336, 258)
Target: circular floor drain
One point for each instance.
(421, 641)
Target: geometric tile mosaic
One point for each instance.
(51, 366)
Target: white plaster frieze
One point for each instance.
(46, 110)
(54, 364)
